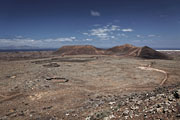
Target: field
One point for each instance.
(43, 86)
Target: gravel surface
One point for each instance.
(89, 88)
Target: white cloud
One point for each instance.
(127, 30)
(136, 41)
(88, 39)
(63, 39)
(85, 33)
(151, 35)
(100, 32)
(104, 33)
(95, 13)
(113, 37)
(147, 36)
(70, 39)
(19, 36)
(20, 41)
(122, 35)
(138, 36)
(96, 25)
(114, 28)
(109, 31)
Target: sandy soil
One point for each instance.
(55, 87)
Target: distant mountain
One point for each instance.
(11, 47)
(79, 50)
(123, 50)
(143, 52)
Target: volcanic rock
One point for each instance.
(51, 65)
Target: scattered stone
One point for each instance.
(109, 117)
(176, 95)
(11, 113)
(111, 103)
(88, 118)
(159, 110)
(21, 113)
(139, 102)
(67, 114)
(58, 79)
(126, 112)
(170, 98)
(12, 77)
(51, 65)
(178, 91)
(145, 116)
(46, 108)
(152, 98)
(134, 107)
(126, 117)
(178, 115)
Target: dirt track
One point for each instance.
(38, 89)
(158, 70)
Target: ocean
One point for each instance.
(167, 49)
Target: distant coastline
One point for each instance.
(54, 49)
(27, 50)
(167, 49)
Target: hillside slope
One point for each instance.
(125, 50)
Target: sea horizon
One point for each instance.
(54, 49)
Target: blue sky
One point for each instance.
(103, 23)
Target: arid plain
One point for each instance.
(44, 86)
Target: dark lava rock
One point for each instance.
(58, 79)
(52, 65)
(176, 95)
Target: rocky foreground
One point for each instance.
(163, 103)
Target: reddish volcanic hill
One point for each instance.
(126, 50)
(121, 50)
(79, 50)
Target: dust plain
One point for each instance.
(66, 87)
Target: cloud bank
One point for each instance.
(127, 30)
(107, 32)
(21, 41)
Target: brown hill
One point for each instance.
(121, 50)
(149, 53)
(126, 50)
(143, 52)
(79, 50)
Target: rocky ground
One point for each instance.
(88, 87)
(163, 103)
